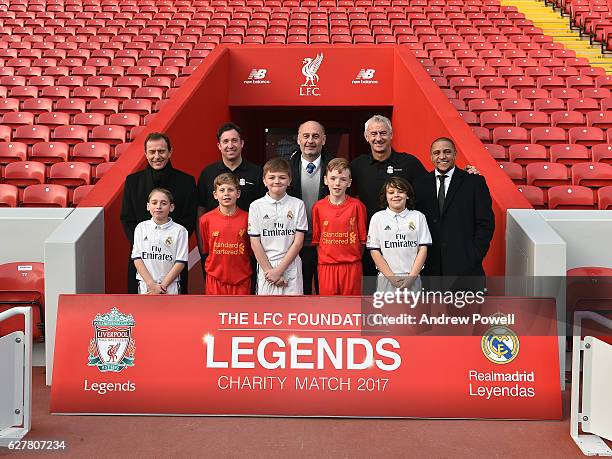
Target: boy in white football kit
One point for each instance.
(160, 249)
(277, 223)
(398, 238)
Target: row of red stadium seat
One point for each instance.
(548, 174)
(67, 173)
(52, 152)
(42, 195)
(567, 197)
(569, 154)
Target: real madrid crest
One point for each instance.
(290, 215)
(500, 345)
(168, 241)
(411, 226)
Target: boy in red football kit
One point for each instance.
(339, 232)
(225, 242)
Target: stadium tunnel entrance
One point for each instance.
(276, 88)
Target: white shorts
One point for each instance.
(173, 288)
(293, 276)
(383, 284)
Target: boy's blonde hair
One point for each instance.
(277, 165)
(338, 164)
(226, 178)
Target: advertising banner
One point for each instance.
(306, 356)
(311, 76)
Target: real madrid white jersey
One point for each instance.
(160, 247)
(276, 222)
(398, 237)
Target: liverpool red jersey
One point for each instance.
(225, 240)
(339, 231)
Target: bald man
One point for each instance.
(308, 169)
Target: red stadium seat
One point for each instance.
(16, 119)
(602, 153)
(482, 133)
(569, 154)
(53, 118)
(80, 192)
(102, 169)
(45, 195)
(513, 170)
(588, 136)
(105, 106)
(546, 174)
(19, 290)
(566, 120)
(531, 119)
(547, 136)
(527, 153)
(534, 194)
(89, 119)
(9, 105)
(24, 173)
(549, 105)
(497, 151)
(494, 119)
(11, 152)
(71, 106)
(583, 105)
(124, 119)
(604, 198)
(71, 134)
(140, 106)
(91, 152)
(111, 134)
(31, 134)
(483, 105)
(120, 149)
(516, 105)
(70, 174)
(592, 174)
(50, 152)
(9, 195)
(39, 105)
(510, 135)
(570, 197)
(602, 120)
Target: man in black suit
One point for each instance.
(159, 173)
(458, 209)
(308, 168)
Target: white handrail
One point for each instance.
(27, 363)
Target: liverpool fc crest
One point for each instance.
(112, 348)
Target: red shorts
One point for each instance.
(216, 287)
(340, 279)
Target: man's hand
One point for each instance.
(471, 170)
(273, 275)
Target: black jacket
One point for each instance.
(462, 234)
(136, 192)
(295, 189)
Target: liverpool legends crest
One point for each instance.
(112, 348)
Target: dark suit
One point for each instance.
(134, 207)
(462, 234)
(308, 254)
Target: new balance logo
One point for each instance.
(257, 76)
(365, 76)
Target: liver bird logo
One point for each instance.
(310, 68)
